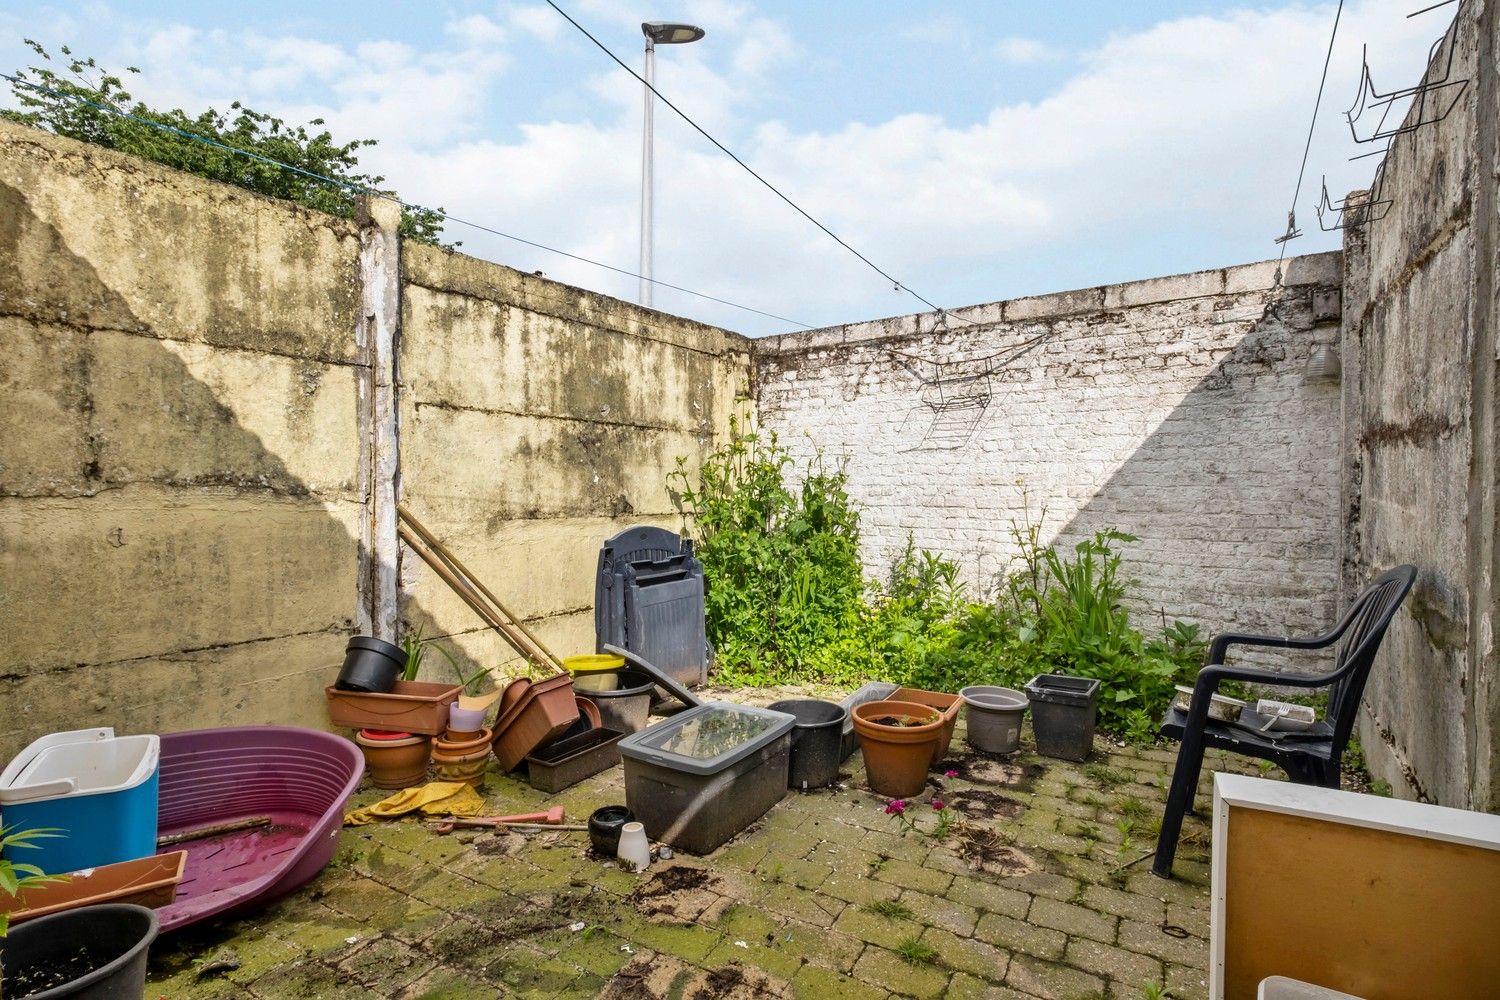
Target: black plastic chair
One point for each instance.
(1311, 758)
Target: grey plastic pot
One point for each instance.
(627, 708)
(994, 717)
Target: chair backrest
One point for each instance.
(1362, 630)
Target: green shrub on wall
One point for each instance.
(788, 601)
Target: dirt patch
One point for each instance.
(655, 977)
(982, 804)
(993, 770)
(500, 844)
(984, 851)
(681, 894)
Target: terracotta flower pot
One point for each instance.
(898, 740)
(395, 759)
(463, 761)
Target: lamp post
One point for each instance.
(657, 33)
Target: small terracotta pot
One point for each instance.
(897, 757)
(395, 759)
(460, 735)
(463, 761)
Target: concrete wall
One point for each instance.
(1419, 348)
(187, 408)
(537, 420)
(1175, 408)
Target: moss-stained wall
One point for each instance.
(177, 493)
(1420, 461)
(183, 407)
(536, 421)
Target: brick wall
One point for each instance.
(1176, 409)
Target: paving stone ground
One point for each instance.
(1031, 896)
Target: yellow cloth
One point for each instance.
(442, 798)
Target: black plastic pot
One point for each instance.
(371, 664)
(1063, 710)
(604, 828)
(625, 709)
(817, 740)
(112, 939)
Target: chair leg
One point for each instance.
(1179, 802)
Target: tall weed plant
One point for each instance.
(788, 600)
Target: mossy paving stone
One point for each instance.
(452, 893)
(1050, 979)
(375, 905)
(397, 869)
(311, 980)
(529, 973)
(966, 987)
(967, 955)
(911, 876)
(814, 983)
(448, 984)
(885, 932)
(756, 955)
(662, 977)
(855, 885)
(790, 901)
(743, 852)
(325, 933)
(387, 966)
(1020, 936)
(1123, 904)
(989, 896)
(1124, 967)
(594, 949)
(691, 941)
(742, 921)
(940, 911)
(819, 946)
(889, 971)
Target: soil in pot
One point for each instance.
(395, 759)
(465, 760)
(95, 951)
(898, 740)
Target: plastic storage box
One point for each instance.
(100, 790)
(702, 776)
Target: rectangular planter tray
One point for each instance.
(693, 793)
(546, 711)
(947, 704)
(150, 882)
(567, 762)
(416, 707)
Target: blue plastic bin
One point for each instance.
(99, 789)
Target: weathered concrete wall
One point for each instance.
(178, 494)
(1419, 348)
(1176, 409)
(192, 411)
(536, 421)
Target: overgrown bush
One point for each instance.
(788, 602)
(86, 102)
(782, 564)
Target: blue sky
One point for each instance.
(976, 151)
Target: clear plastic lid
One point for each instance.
(708, 737)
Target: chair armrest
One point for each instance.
(1221, 643)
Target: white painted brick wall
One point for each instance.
(1175, 409)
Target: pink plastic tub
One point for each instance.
(300, 778)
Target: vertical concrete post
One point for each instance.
(376, 334)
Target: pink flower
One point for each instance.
(895, 807)
(950, 774)
(938, 805)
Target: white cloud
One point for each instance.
(1186, 133)
(1022, 51)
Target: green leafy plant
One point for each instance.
(890, 909)
(915, 951)
(18, 876)
(84, 101)
(781, 561)
(416, 648)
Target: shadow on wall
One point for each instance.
(1234, 495)
(165, 567)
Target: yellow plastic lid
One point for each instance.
(593, 663)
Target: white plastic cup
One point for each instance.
(634, 848)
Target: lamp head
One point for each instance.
(671, 33)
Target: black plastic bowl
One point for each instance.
(112, 937)
(604, 828)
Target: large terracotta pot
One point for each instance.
(465, 760)
(897, 752)
(396, 759)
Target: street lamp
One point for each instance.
(657, 33)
